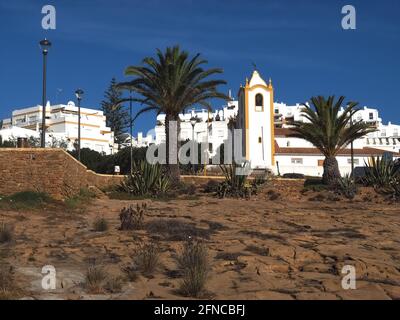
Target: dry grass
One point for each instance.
(146, 258)
(194, 264)
(6, 233)
(8, 290)
(95, 279)
(100, 224)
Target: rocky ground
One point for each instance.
(281, 244)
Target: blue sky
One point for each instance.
(300, 44)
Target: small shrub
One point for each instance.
(100, 224)
(347, 187)
(273, 195)
(7, 286)
(184, 188)
(6, 233)
(114, 285)
(133, 218)
(95, 278)
(146, 258)
(194, 264)
(211, 186)
(315, 185)
(191, 189)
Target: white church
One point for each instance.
(266, 140)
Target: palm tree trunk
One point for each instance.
(172, 149)
(331, 171)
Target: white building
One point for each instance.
(266, 141)
(62, 124)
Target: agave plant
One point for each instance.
(381, 173)
(347, 186)
(235, 185)
(146, 179)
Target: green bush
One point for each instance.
(146, 180)
(26, 200)
(105, 164)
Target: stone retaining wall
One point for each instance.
(53, 171)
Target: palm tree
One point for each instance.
(170, 84)
(328, 127)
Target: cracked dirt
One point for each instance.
(288, 248)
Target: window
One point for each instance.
(356, 161)
(383, 133)
(259, 140)
(33, 119)
(320, 163)
(297, 160)
(371, 116)
(276, 111)
(259, 102)
(288, 144)
(395, 133)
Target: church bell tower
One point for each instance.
(256, 119)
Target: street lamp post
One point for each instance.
(193, 122)
(131, 130)
(352, 152)
(79, 94)
(45, 45)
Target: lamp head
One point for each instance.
(193, 121)
(79, 94)
(45, 45)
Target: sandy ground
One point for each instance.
(287, 248)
